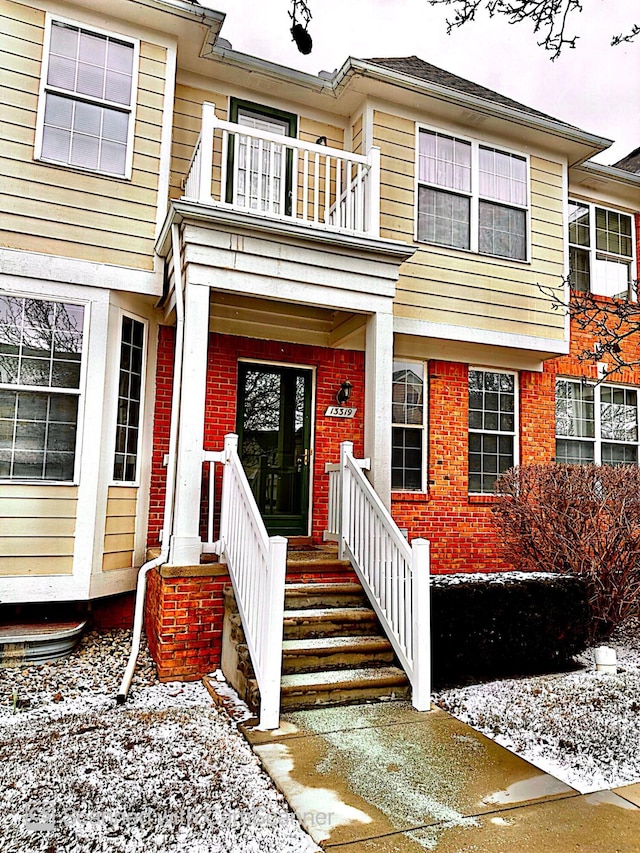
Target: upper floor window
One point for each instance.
(596, 424)
(407, 415)
(461, 183)
(85, 115)
(492, 427)
(600, 250)
(40, 361)
(130, 383)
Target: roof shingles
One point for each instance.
(413, 66)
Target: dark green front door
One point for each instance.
(274, 429)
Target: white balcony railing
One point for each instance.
(394, 574)
(257, 568)
(279, 177)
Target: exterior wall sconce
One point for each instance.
(344, 393)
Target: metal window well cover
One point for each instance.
(34, 644)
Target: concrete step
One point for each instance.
(343, 687)
(331, 653)
(330, 622)
(299, 596)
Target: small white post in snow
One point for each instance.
(605, 659)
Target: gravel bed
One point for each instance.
(166, 772)
(581, 726)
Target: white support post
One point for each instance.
(186, 545)
(273, 627)
(377, 402)
(230, 446)
(346, 449)
(421, 628)
(206, 153)
(373, 179)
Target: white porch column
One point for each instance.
(186, 544)
(377, 401)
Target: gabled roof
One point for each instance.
(630, 163)
(413, 66)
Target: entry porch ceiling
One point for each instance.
(270, 319)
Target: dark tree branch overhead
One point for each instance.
(550, 18)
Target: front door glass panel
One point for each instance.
(274, 426)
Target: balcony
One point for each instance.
(281, 178)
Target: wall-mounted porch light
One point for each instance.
(344, 393)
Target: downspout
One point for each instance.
(172, 465)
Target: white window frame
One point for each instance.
(45, 89)
(143, 390)
(593, 252)
(78, 392)
(474, 195)
(516, 418)
(421, 369)
(597, 439)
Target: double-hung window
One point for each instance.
(40, 362)
(407, 414)
(492, 427)
(130, 387)
(86, 117)
(601, 251)
(596, 424)
(471, 196)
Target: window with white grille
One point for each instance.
(87, 99)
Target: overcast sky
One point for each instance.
(595, 86)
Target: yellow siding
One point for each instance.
(462, 288)
(357, 136)
(187, 119)
(310, 130)
(84, 215)
(37, 528)
(120, 527)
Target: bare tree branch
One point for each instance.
(628, 37)
(612, 323)
(549, 18)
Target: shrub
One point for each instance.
(577, 519)
(507, 623)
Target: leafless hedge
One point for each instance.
(577, 519)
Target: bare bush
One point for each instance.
(577, 519)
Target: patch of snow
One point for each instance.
(165, 772)
(581, 727)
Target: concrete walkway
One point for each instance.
(384, 778)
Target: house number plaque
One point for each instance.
(340, 412)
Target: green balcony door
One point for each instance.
(274, 429)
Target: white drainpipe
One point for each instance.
(172, 461)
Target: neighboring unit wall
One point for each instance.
(38, 528)
(65, 211)
(119, 538)
(462, 288)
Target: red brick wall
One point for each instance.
(183, 623)
(332, 368)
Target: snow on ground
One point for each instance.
(580, 726)
(167, 772)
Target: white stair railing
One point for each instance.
(265, 174)
(257, 568)
(394, 574)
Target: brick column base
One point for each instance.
(184, 612)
